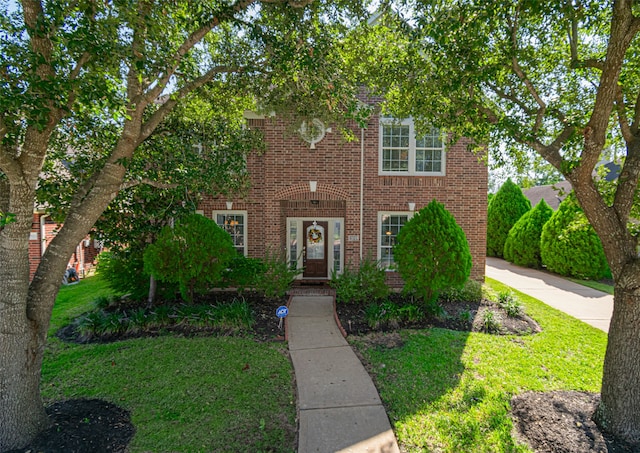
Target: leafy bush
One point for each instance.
(505, 208)
(243, 273)
(432, 253)
(570, 246)
(522, 246)
(278, 276)
(193, 254)
(364, 286)
(124, 273)
(470, 292)
(347, 286)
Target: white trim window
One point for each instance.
(401, 152)
(234, 223)
(389, 225)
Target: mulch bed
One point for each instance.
(82, 426)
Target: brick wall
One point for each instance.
(280, 189)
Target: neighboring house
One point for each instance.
(43, 230)
(327, 203)
(553, 194)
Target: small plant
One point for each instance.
(364, 286)
(236, 314)
(510, 304)
(491, 321)
(470, 292)
(410, 313)
(103, 302)
(347, 286)
(466, 316)
(381, 313)
(278, 276)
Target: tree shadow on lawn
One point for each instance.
(415, 368)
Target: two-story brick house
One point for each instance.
(328, 203)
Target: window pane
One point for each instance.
(389, 228)
(234, 224)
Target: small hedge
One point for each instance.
(505, 208)
(522, 246)
(570, 246)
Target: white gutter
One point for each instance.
(43, 234)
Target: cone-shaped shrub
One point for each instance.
(505, 208)
(432, 252)
(570, 246)
(193, 254)
(523, 242)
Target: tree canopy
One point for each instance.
(557, 77)
(86, 93)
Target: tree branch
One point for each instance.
(623, 29)
(628, 181)
(149, 182)
(623, 121)
(187, 45)
(149, 126)
(551, 153)
(636, 116)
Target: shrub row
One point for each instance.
(563, 241)
(192, 257)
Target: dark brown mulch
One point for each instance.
(352, 318)
(561, 422)
(82, 426)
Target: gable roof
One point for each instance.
(553, 194)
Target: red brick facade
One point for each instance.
(43, 230)
(350, 188)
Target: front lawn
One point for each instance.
(184, 394)
(450, 391)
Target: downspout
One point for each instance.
(43, 234)
(361, 187)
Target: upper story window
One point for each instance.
(404, 153)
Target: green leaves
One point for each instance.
(432, 252)
(193, 254)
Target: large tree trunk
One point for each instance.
(619, 410)
(22, 415)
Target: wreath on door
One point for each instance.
(314, 235)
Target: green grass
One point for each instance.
(450, 391)
(184, 394)
(605, 288)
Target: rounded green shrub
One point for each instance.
(432, 252)
(505, 208)
(570, 246)
(522, 246)
(193, 254)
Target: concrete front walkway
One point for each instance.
(589, 305)
(339, 407)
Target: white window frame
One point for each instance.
(379, 246)
(245, 228)
(411, 171)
